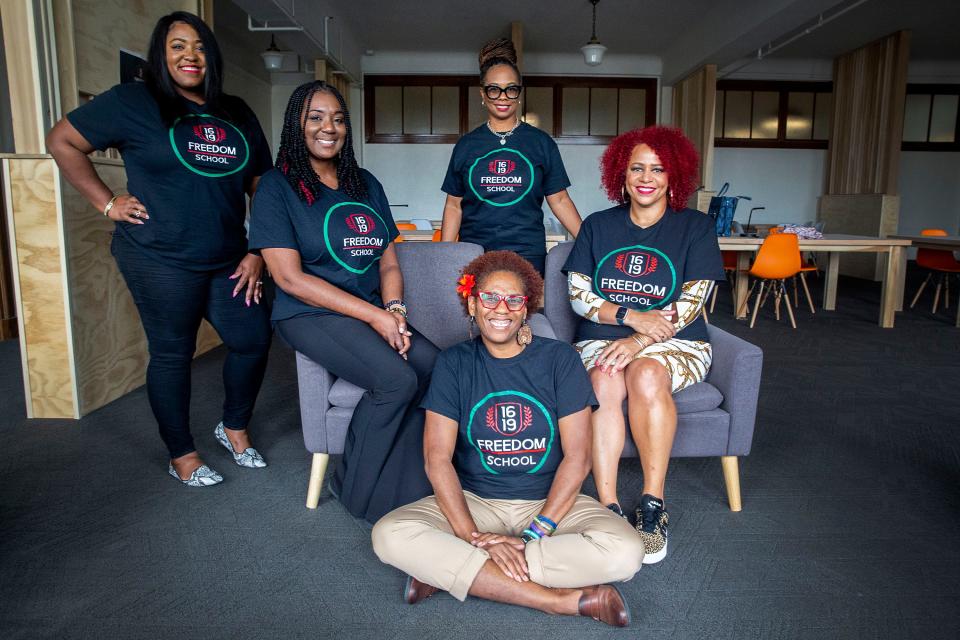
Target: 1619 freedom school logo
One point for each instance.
(208, 145)
(512, 431)
(355, 234)
(501, 177)
(638, 277)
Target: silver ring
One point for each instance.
(136, 213)
(259, 281)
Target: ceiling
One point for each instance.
(683, 33)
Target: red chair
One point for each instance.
(777, 260)
(729, 270)
(937, 261)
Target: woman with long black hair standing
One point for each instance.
(191, 154)
(500, 172)
(326, 232)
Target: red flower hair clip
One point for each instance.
(465, 285)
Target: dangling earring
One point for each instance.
(473, 322)
(524, 335)
(623, 192)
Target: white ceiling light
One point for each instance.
(593, 51)
(272, 57)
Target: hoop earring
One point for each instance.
(525, 334)
(623, 192)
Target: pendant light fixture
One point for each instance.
(272, 57)
(593, 51)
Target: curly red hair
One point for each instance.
(492, 261)
(678, 155)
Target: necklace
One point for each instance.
(506, 134)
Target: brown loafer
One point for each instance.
(606, 604)
(414, 591)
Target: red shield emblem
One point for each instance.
(636, 263)
(509, 418)
(209, 133)
(360, 223)
(501, 167)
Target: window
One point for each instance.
(931, 118)
(439, 109)
(773, 114)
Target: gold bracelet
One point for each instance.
(639, 339)
(106, 209)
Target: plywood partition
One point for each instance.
(39, 273)
(868, 214)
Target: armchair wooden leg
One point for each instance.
(731, 476)
(317, 470)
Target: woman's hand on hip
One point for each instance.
(392, 327)
(128, 208)
(656, 323)
(248, 275)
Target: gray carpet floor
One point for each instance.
(849, 529)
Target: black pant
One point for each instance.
(172, 301)
(382, 463)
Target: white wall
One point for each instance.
(255, 92)
(785, 181)
(929, 187)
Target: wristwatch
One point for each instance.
(621, 315)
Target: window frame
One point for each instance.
(467, 83)
(784, 88)
(932, 90)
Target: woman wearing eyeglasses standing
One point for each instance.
(501, 171)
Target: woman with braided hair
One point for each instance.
(501, 171)
(324, 227)
(638, 276)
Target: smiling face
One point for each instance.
(646, 179)
(186, 60)
(325, 129)
(502, 110)
(499, 326)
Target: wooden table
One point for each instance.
(833, 244)
(947, 243)
(422, 235)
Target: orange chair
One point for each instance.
(937, 260)
(777, 260)
(729, 270)
(436, 236)
(805, 267)
(404, 226)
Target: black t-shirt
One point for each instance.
(644, 269)
(192, 176)
(503, 187)
(339, 239)
(508, 446)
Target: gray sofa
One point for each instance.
(716, 417)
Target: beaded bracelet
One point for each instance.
(396, 306)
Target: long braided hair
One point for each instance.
(293, 159)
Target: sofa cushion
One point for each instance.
(702, 396)
(345, 394)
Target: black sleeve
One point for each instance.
(102, 122)
(270, 225)
(581, 259)
(574, 390)
(555, 177)
(704, 261)
(443, 396)
(453, 181)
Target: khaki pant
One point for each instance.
(591, 544)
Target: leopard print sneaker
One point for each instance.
(652, 526)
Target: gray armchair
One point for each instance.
(715, 417)
(430, 271)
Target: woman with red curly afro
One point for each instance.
(638, 275)
(507, 447)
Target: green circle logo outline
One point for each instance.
(207, 174)
(496, 394)
(326, 236)
(490, 202)
(673, 273)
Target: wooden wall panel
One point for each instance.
(8, 302)
(20, 47)
(694, 111)
(39, 272)
(862, 214)
(102, 27)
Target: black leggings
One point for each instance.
(382, 464)
(172, 302)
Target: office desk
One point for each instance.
(833, 244)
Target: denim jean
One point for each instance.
(172, 302)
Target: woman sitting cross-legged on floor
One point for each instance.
(507, 447)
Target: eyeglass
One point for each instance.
(491, 300)
(493, 92)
